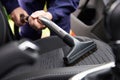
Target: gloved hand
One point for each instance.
(33, 19)
(15, 16)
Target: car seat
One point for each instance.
(6, 34)
(50, 64)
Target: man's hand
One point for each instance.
(15, 15)
(33, 19)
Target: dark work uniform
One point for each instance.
(10, 5)
(60, 10)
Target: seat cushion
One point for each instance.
(54, 58)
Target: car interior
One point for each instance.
(90, 55)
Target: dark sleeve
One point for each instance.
(10, 5)
(60, 8)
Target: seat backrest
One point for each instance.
(5, 31)
(2, 26)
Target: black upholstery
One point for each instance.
(50, 64)
(112, 20)
(5, 31)
(2, 26)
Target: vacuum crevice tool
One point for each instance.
(78, 48)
